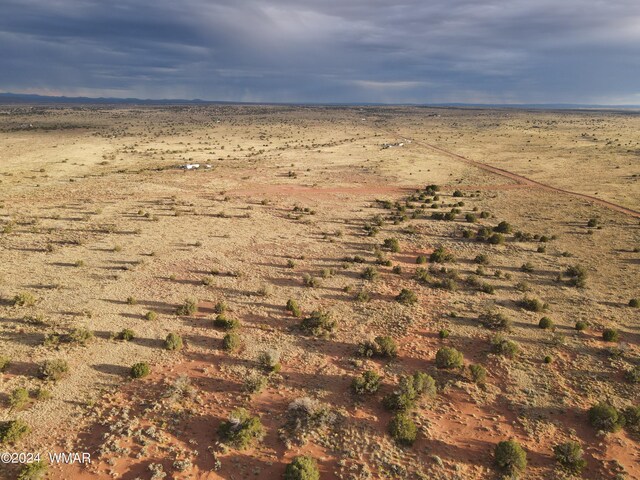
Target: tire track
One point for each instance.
(521, 179)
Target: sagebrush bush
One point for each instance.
(18, 398)
(151, 316)
(502, 346)
(632, 419)
(139, 370)
(448, 357)
(403, 429)
(444, 333)
(369, 273)
(189, 307)
(478, 373)
(570, 456)
(231, 342)
(581, 325)
(13, 431)
(309, 281)
(4, 363)
(319, 323)
(33, 471)
(254, 382)
(605, 417)
(241, 430)
(407, 297)
(173, 342)
(634, 303)
(391, 244)
(270, 360)
(220, 307)
(24, 299)
(577, 275)
(293, 307)
(126, 335)
(366, 384)
(610, 335)
(302, 467)
(633, 375)
(532, 304)
(53, 369)
(510, 457)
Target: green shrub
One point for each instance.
(532, 304)
(632, 419)
(173, 342)
(367, 383)
(151, 316)
(254, 382)
(319, 323)
(270, 360)
(293, 307)
(443, 334)
(381, 346)
(309, 281)
(577, 275)
(501, 346)
(12, 431)
(511, 457)
(53, 369)
(42, 394)
(471, 218)
(580, 325)
(189, 307)
(448, 357)
(633, 375)
(132, 301)
(545, 323)
(391, 244)
(18, 398)
(569, 456)
(634, 303)
(407, 297)
(33, 471)
(610, 335)
(222, 321)
(605, 417)
(441, 255)
(220, 307)
(548, 359)
(369, 273)
(495, 321)
(241, 430)
(592, 223)
(410, 388)
(503, 227)
(397, 269)
(231, 342)
(302, 467)
(403, 429)
(24, 299)
(527, 267)
(496, 239)
(481, 259)
(4, 363)
(139, 370)
(126, 335)
(421, 259)
(478, 373)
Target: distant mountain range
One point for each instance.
(22, 98)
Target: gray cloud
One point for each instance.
(325, 50)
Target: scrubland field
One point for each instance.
(391, 313)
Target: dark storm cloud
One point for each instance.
(313, 50)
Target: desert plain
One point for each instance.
(397, 236)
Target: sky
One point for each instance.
(324, 51)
